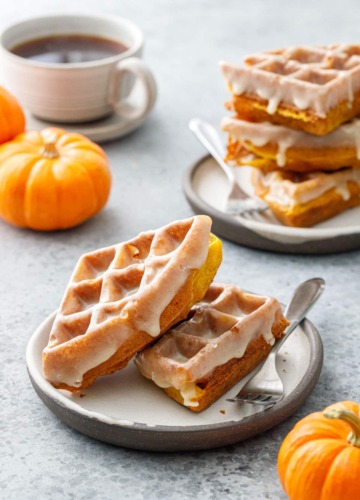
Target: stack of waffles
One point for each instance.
(153, 299)
(295, 121)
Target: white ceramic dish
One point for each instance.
(205, 186)
(110, 128)
(128, 410)
(106, 129)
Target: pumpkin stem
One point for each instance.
(50, 150)
(351, 419)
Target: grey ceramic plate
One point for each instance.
(125, 409)
(205, 187)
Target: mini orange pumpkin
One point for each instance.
(52, 179)
(320, 458)
(12, 119)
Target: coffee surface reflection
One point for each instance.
(68, 49)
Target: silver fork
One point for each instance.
(265, 387)
(238, 202)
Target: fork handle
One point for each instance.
(210, 139)
(303, 299)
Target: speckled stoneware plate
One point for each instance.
(107, 129)
(206, 187)
(125, 409)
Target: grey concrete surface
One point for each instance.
(42, 458)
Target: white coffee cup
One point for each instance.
(78, 92)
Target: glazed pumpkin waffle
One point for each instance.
(269, 146)
(314, 89)
(302, 200)
(121, 298)
(223, 339)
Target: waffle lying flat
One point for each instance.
(224, 338)
(121, 298)
(302, 200)
(314, 89)
(269, 146)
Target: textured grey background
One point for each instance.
(185, 39)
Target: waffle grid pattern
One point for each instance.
(104, 282)
(318, 78)
(320, 66)
(186, 349)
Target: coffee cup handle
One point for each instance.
(142, 73)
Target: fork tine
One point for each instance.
(241, 207)
(255, 215)
(250, 396)
(263, 397)
(255, 402)
(256, 399)
(262, 215)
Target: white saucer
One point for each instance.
(106, 129)
(206, 187)
(112, 127)
(125, 409)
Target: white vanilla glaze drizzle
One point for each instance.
(218, 332)
(67, 359)
(288, 193)
(263, 133)
(165, 274)
(315, 84)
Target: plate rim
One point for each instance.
(308, 234)
(197, 436)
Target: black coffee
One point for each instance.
(67, 49)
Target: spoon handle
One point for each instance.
(303, 299)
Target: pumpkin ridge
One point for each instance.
(67, 143)
(12, 114)
(32, 139)
(11, 124)
(4, 124)
(92, 208)
(93, 185)
(301, 460)
(324, 429)
(11, 213)
(39, 169)
(80, 143)
(69, 153)
(328, 489)
(96, 195)
(100, 203)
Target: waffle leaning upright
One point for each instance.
(121, 298)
